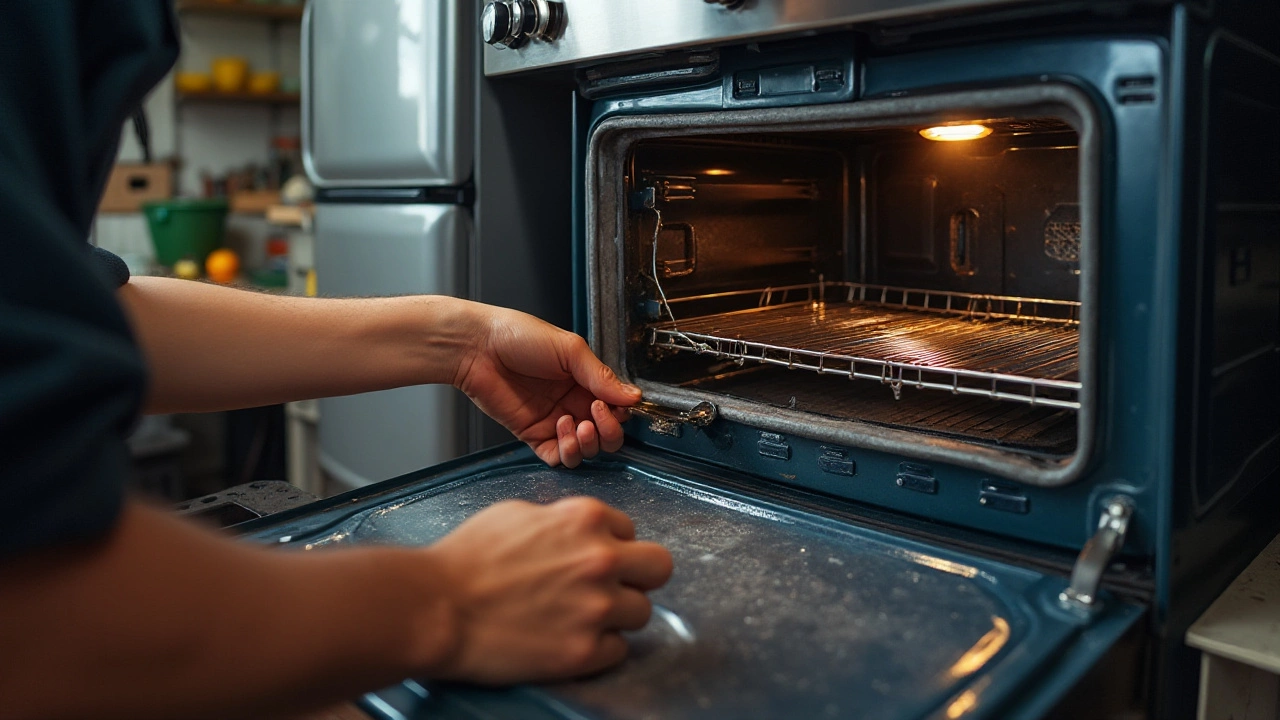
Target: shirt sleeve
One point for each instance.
(111, 267)
(71, 381)
(71, 375)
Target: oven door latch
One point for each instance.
(1086, 576)
(669, 421)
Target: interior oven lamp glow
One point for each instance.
(954, 133)
(717, 172)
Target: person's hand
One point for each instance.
(546, 386)
(541, 592)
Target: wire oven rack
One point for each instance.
(1000, 347)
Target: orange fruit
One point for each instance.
(222, 265)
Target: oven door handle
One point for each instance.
(665, 420)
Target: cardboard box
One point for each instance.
(254, 202)
(130, 185)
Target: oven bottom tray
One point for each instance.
(1028, 428)
(772, 611)
(1003, 359)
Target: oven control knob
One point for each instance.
(496, 26)
(512, 23)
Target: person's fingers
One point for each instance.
(644, 565)
(621, 414)
(607, 426)
(619, 523)
(576, 402)
(630, 610)
(590, 512)
(588, 440)
(597, 377)
(570, 454)
(580, 403)
(548, 451)
(610, 650)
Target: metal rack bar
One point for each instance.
(991, 307)
(1002, 348)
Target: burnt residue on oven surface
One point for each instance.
(771, 611)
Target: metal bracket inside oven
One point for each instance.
(668, 421)
(1086, 576)
(663, 188)
(689, 262)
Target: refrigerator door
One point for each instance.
(388, 92)
(382, 250)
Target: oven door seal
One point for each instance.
(606, 206)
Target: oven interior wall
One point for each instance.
(783, 220)
(998, 216)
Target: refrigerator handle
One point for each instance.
(305, 102)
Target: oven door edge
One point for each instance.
(605, 206)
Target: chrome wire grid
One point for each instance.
(990, 346)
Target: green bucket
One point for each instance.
(189, 229)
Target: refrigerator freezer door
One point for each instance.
(377, 250)
(388, 92)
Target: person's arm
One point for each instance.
(216, 348)
(162, 619)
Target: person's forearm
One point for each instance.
(215, 348)
(165, 620)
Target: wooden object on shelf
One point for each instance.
(254, 202)
(298, 216)
(241, 9)
(275, 98)
(132, 184)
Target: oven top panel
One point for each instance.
(588, 31)
(772, 611)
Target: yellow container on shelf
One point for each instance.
(264, 83)
(193, 82)
(230, 74)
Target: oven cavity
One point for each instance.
(912, 277)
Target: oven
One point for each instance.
(958, 326)
(767, 255)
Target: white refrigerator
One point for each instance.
(389, 101)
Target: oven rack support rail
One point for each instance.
(973, 332)
(968, 305)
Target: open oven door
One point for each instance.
(773, 611)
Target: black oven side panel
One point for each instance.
(1227, 483)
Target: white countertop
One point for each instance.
(1243, 624)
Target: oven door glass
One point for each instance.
(772, 611)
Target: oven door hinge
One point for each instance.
(1086, 576)
(669, 421)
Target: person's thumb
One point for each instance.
(597, 377)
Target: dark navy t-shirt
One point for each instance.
(71, 375)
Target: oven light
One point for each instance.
(952, 133)
(717, 172)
